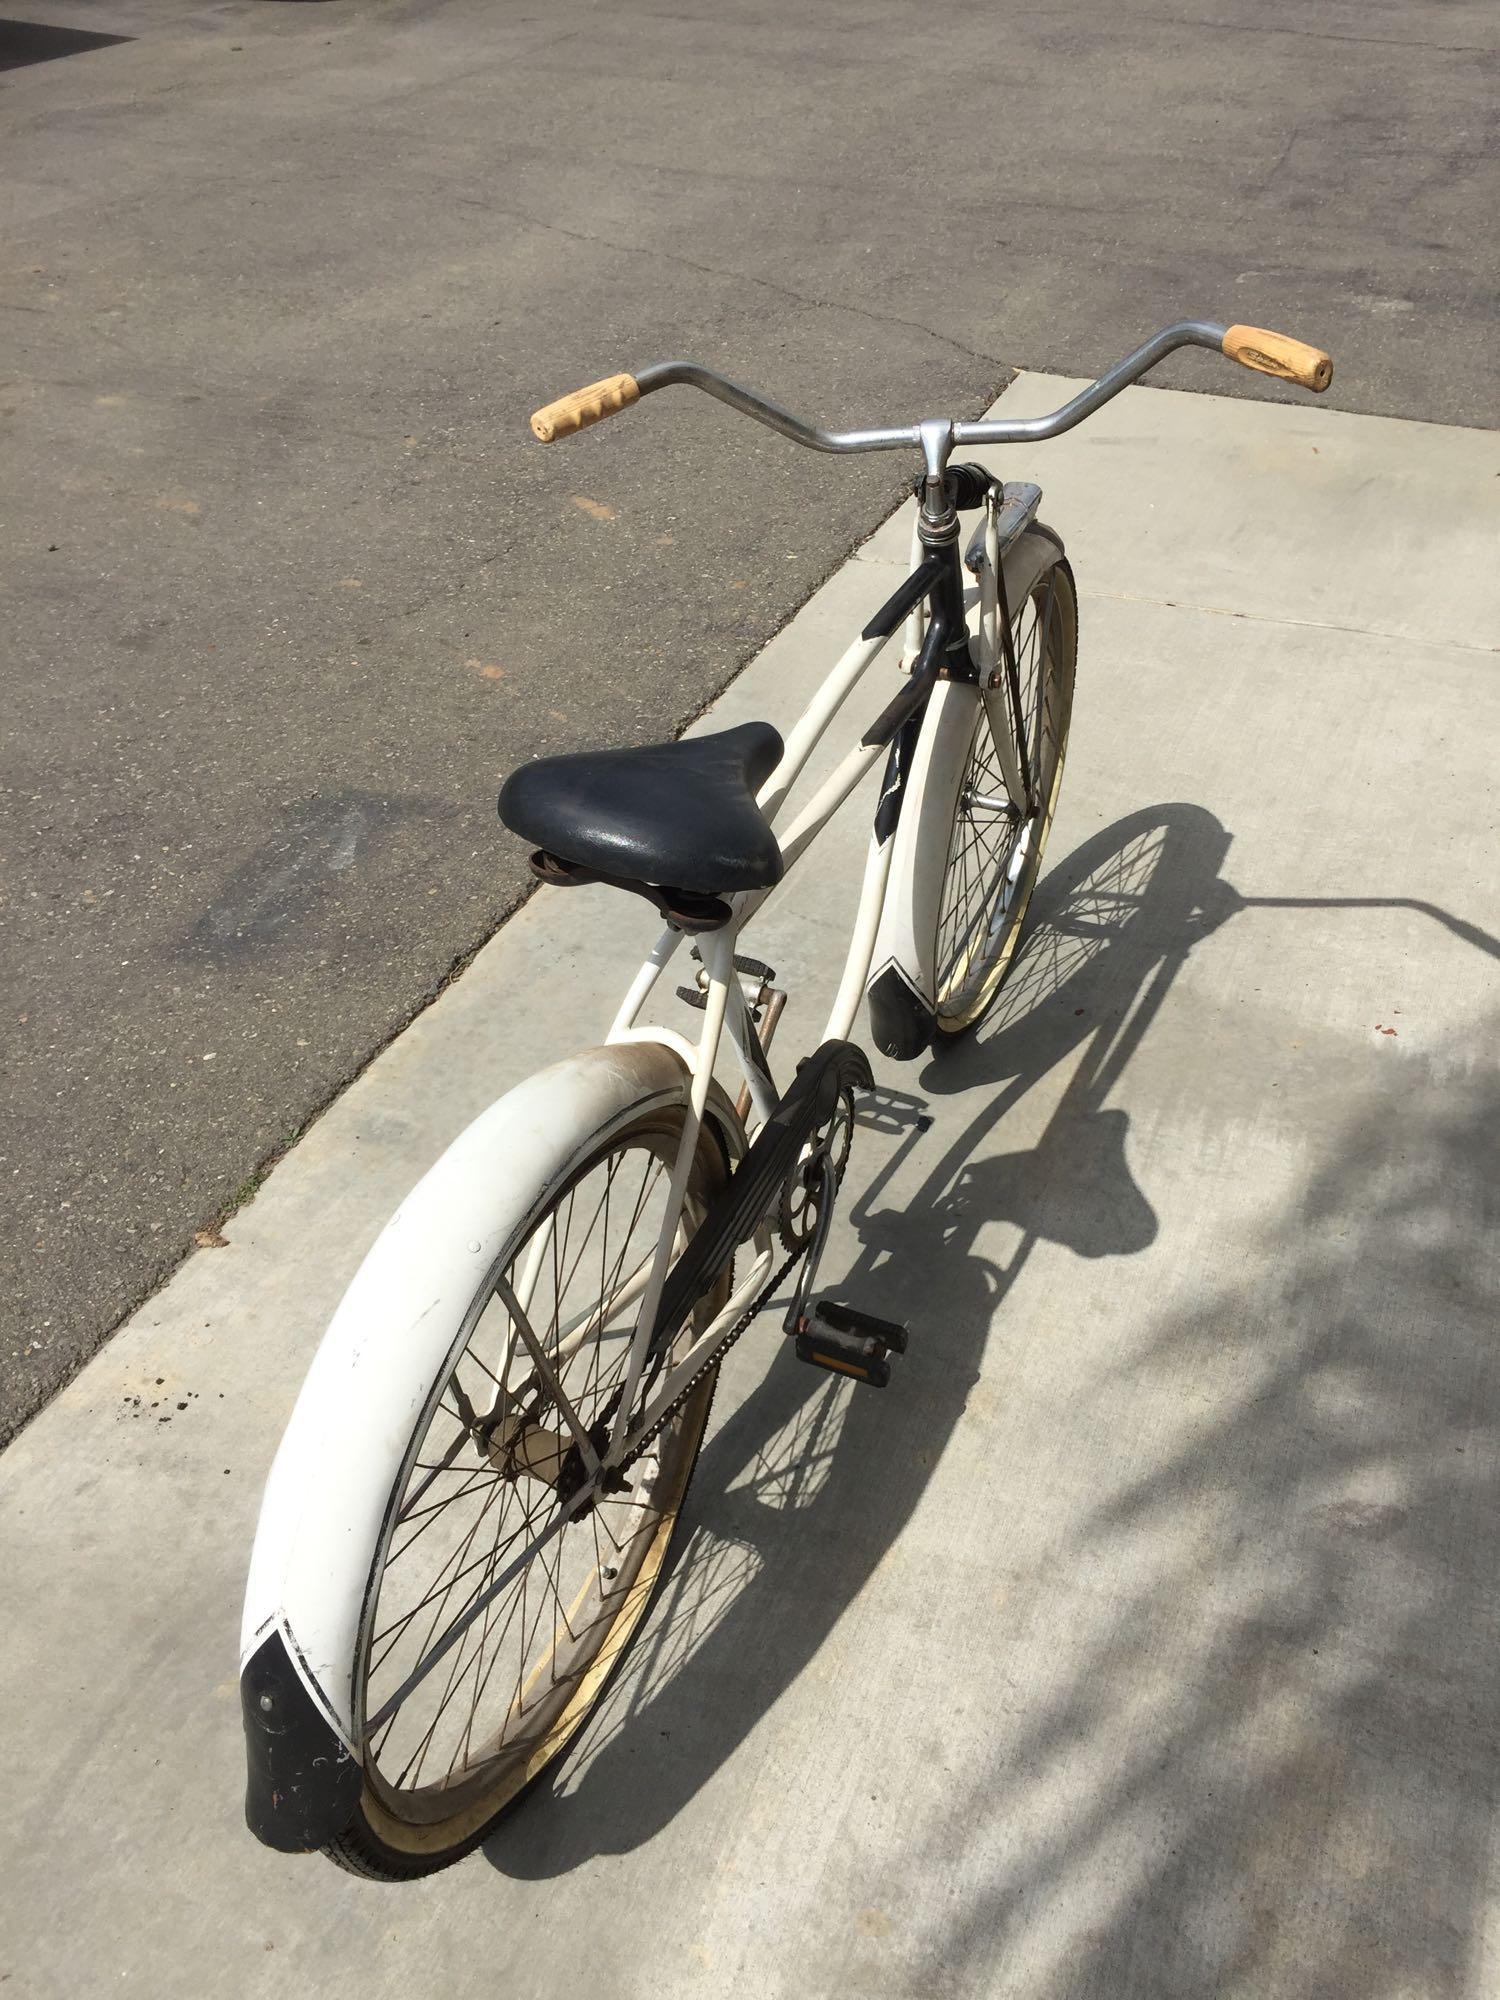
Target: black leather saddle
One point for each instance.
(676, 815)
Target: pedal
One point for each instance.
(856, 1354)
(851, 1342)
(890, 1333)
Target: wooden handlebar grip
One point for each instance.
(584, 407)
(1279, 354)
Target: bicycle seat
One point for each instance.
(679, 814)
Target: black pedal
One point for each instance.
(851, 1342)
(890, 1333)
(856, 1354)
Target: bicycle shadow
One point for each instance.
(801, 1492)
(806, 1488)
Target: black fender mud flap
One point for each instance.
(303, 1782)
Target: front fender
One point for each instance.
(901, 987)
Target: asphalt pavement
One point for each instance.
(288, 587)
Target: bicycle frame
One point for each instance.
(725, 1005)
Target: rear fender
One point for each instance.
(323, 1516)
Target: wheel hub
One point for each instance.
(572, 1475)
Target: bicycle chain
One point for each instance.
(756, 1305)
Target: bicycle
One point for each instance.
(517, 1382)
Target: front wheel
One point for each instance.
(467, 1692)
(1002, 814)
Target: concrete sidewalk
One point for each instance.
(1140, 1641)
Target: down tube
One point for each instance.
(862, 943)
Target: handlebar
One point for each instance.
(1252, 346)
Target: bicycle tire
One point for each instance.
(989, 875)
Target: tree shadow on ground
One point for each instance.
(1288, 1710)
(1317, 1763)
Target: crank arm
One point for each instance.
(796, 1312)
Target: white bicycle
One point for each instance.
(475, 1493)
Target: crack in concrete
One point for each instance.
(1262, 28)
(746, 278)
(1276, 618)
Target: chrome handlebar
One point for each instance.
(1252, 346)
(936, 437)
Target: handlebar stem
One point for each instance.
(939, 516)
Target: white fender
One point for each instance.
(902, 962)
(332, 1480)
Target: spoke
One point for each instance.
(476, 1605)
(457, 1674)
(508, 1610)
(439, 1588)
(413, 1765)
(602, 1206)
(432, 1472)
(439, 1592)
(473, 1481)
(588, 1320)
(516, 1601)
(469, 1355)
(549, 1377)
(528, 1633)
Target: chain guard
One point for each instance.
(737, 1211)
(823, 1083)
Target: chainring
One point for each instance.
(799, 1204)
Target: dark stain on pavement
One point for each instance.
(298, 866)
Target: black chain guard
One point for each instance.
(754, 1186)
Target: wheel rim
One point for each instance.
(994, 853)
(486, 1476)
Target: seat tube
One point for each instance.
(718, 957)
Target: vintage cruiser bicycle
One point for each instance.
(475, 1493)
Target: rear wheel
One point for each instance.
(996, 842)
(492, 1621)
